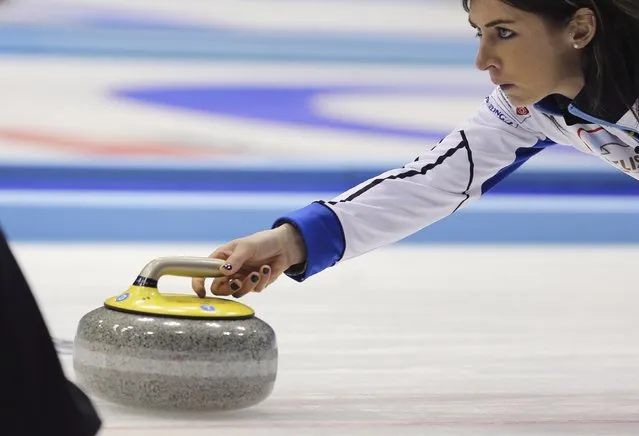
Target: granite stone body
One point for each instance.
(160, 362)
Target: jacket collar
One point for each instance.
(613, 111)
(572, 114)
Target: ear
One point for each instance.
(582, 28)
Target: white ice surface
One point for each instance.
(405, 340)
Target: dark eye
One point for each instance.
(505, 33)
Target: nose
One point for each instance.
(486, 58)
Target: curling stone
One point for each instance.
(165, 351)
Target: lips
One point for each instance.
(501, 83)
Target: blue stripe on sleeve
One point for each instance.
(323, 237)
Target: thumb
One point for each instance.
(236, 259)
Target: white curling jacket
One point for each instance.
(466, 164)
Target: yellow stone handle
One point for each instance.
(144, 297)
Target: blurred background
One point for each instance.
(203, 121)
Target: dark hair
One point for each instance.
(612, 57)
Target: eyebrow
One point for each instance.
(493, 23)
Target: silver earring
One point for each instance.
(575, 45)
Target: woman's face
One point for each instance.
(525, 55)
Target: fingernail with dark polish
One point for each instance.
(255, 278)
(227, 266)
(266, 270)
(234, 286)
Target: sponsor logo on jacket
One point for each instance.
(623, 156)
(499, 113)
